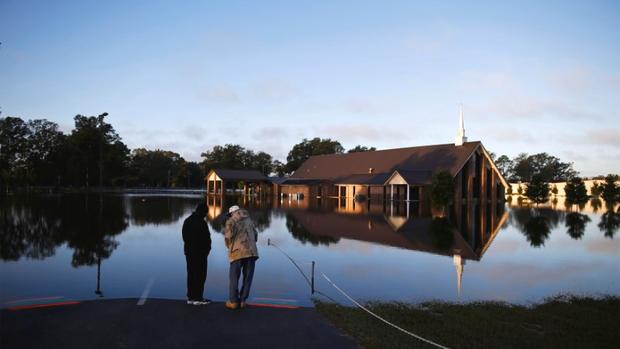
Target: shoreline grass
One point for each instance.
(558, 322)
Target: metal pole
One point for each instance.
(312, 280)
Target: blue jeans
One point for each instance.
(245, 266)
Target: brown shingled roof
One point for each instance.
(433, 158)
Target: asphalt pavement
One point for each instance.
(160, 323)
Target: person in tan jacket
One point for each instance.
(240, 236)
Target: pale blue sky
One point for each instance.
(185, 76)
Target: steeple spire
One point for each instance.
(460, 134)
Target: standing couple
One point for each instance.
(240, 237)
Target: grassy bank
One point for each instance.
(561, 322)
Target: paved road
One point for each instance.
(166, 324)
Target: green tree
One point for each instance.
(576, 192)
(537, 189)
(442, 190)
(97, 155)
(549, 167)
(610, 189)
(157, 168)
(307, 148)
(236, 157)
(522, 169)
(14, 135)
(229, 156)
(504, 166)
(190, 175)
(30, 152)
(45, 158)
(279, 168)
(261, 161)
(360, 149)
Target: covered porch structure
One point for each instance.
(408, 185)
(247, 182)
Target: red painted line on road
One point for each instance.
(33, 299)
(48, 305)
(276, 299)
(273, 305)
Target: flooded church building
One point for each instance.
(403, 174)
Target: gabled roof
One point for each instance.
(240, 175)
(432, 158)
(415, 177)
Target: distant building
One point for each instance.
(402, 174)
(219, 181)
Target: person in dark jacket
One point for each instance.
(197, 245)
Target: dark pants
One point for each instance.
(196, 276)
(245, 266)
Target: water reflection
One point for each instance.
(33, 227)
(157, 210)
(300, 233)
(464, 234)
(610, 222)
(596, 204)
(259, 208)
(576, 224)
(29, 228)
(536, 223)
(89, 226)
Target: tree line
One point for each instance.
(524, 167)
(37, 153)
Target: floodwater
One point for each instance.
(79, 246)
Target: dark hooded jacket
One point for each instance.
(196, 236)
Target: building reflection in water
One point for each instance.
(465, 233)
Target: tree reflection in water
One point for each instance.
(610, 222)
(576, 224)
(537, 231)
(91, 225)
(33, 226)
(536, 223)
(29, 227)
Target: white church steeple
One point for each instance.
(460, 134)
